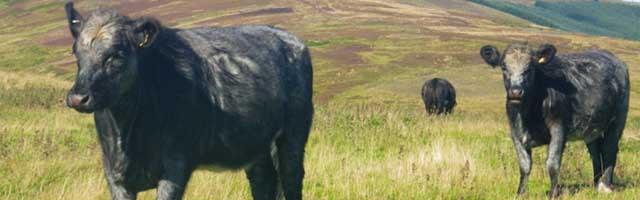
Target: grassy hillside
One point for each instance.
(597, 18)
(370, 139)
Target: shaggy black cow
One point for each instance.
(552, 99)
(439, 96)
(166, 101)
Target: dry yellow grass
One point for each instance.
(370, 140)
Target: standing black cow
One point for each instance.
(552, 99)
(166, 101)
(439, 96)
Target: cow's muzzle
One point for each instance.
(514, 95)
(81, 102)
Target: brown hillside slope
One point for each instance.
(364, 23)
(370, 139)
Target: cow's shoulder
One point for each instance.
(555, 103)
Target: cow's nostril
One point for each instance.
(515, 93)
(84, 100)
(518, 92)
(78, 100)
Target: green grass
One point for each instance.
(356, 151)
(598, 18)
(370, 138)
(5, 3)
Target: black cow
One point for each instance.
(166, 101)
(552, 99)
(439, 96)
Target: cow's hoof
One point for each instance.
(604, 188)
(554, 194)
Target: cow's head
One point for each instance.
(519, 64)
(107, 46)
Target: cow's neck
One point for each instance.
(161, 75)
(140, 110)
(120, 118)
(114, 134)
(137, 109)
(557, 75)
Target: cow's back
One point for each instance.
(247, 73)
(598, 92)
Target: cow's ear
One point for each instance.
(74, 18)
(545, 54)
(491, 55)
(146, 30)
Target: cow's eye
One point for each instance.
(108, 60)
(112, 60)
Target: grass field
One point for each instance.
(598, 18)
(370, 139)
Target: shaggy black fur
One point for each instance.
(439, 96)
(552, 99)
(167, 101)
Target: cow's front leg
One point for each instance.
(520, 138)
(117, 189)
(524, 159)
(554, 159)
(174, 180)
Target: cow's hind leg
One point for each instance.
(596, 158)
(609, 153)
(263, 179)
(290, 153)
(441, 106)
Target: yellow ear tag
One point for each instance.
(144, 42)
(541, 60)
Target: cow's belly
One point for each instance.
(588, 134)
(539, 139)
(220, 168)
(592, 115)
(218, 165)
(237, 148)
(590, 127)
(250, 116)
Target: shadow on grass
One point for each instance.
(623, 184)
(574, 188)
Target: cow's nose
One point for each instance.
(78, 100)
(515, 93)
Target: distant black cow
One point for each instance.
(552, 99)
(167, 100)
(439, 96)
